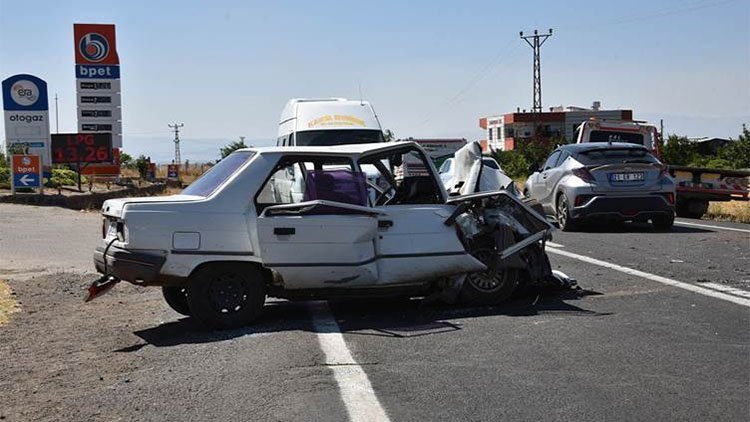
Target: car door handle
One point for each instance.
(284, 231)
(384, 224)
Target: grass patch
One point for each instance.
(8, 304)
(738, 211)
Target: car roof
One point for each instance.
(588, 146)
(352, 149)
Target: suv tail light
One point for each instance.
(584, 174)
(670, 197)
(104, 228)
(664, 171)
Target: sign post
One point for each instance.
(26, 172)
(173, 172)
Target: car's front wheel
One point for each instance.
(491, 286)
(226, 295)
(564, 220)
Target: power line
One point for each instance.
(479, 76)
(176, 127)
(535, 42)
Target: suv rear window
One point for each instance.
(218, 174)
(616, 155)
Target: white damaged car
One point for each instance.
(311, 222)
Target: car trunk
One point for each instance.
(626, 177)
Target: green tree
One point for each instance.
(232, 147)
(141, 164)
(679, 151)
(126, 160)
(64, 177)
(738, 152)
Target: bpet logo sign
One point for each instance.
(98, 80)
(26, 111)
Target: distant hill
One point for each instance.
(197, 150)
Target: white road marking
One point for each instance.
(664, 280)
(555, 245)
(356, 391)
(727, 289)
(683, 223)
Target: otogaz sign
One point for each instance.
(26, 116)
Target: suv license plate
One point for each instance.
(627, 177)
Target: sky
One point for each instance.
(430, 68)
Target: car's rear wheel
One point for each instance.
(224, 296)
(490, 286)
(663, 222)
(564, 220)
(176, 298)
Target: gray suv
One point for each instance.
(603, 181)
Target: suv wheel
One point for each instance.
(564, 221)
(176, 298)
(227, 295)
(663, 222)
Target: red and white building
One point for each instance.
(504, 132)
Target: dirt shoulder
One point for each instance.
(8, 303)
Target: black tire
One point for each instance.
(176, 298)
(562, 211)
(227, 295)
(664, 222)
(491, 286)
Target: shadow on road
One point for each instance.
(396, 318)
(635, 227)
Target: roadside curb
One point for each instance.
(82, 201)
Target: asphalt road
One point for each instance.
(629, 346)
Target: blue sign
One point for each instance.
(25, 93)
(96, 71)
(28, 144)
(26, 180)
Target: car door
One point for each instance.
(540, 187)
(314, 244)
(555, 173)
(413, 244)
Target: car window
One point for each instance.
(616, 136)
(400, 177)
(218, 174)
(491, 164)
(301, 179)
(616, 155)
(446, 167)
(552, 160)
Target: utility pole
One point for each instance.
(535, 42)
(176, 128)
(57, 117)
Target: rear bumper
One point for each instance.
(624, 208)
(133, 266)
